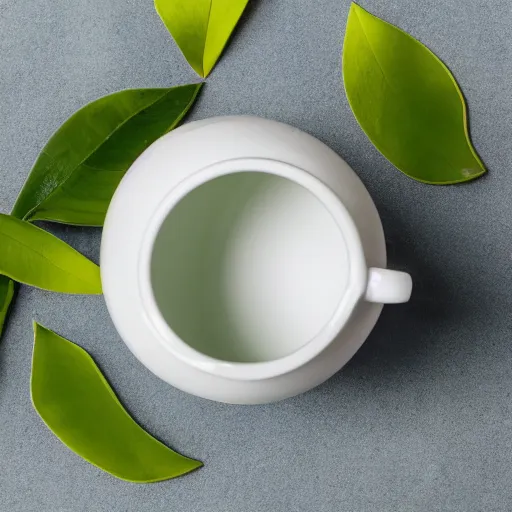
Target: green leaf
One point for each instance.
(407, 102)
(6, 295)
(201, 28)
(35, 257)
(77, 404)
(78, 170)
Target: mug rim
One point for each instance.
(356, 286)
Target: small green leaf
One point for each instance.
(201, 28)
(77, 404)
(35, 257)
(78, 170)
(407, 102)
(6, 295)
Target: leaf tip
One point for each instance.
(355, 7)
(358, 11)
(193, 465)
(96, 285)
(36, 326)
(33, 398)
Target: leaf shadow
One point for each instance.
(247, 14)
(251, 6)
(84, 239)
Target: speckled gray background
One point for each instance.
(421, 419)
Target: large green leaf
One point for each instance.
(77, 404)
(407, 102)
(201, 28)
(35, 257)
(6, 295)
(78, 170)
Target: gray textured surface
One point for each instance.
(421, 419)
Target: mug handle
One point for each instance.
(388, 286)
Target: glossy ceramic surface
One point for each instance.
(299, 233)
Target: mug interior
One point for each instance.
(248, 267)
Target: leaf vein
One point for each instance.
(116, 129)
(373, 52)
(46, 257)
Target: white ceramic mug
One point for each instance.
(235, 256)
